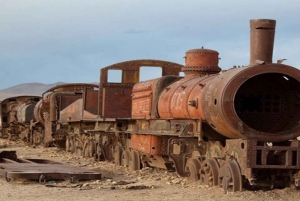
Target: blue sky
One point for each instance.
(49, 41)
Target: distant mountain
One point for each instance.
(26, 89)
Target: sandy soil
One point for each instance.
(118, 183)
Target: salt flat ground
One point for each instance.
(118, 183)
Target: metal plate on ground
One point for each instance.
(41, 169)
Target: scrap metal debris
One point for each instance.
(42, 170)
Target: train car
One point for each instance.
(232, 128)
(63, 104)
(109, 131)
(16, 117)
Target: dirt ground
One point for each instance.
(118, 183)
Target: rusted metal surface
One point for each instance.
(122, 91)
(183, 99)
(38, 113)
(41, 169)
(74, 87)
(263, 164)
(230, 177)
(201, 62)
(134, 160)
(61, 96)
(90, 103)
(17, 109)
(145, 97)
(257, 101)
(150, 144)
(262, 32)
(59, 101)
(193, 166)
(209, 172)
(66, 103)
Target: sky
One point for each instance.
(49, 41)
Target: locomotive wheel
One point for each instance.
(85, 149)
(134, 160)
(118, 154)
(98, 153)
(209, 172)
(193, 166)
(230, 176)
(69, 143)
(125, 158)
(89, 149)
(92, 148)
(77, 148)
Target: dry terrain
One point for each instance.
(118, 183)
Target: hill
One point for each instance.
(26, 89)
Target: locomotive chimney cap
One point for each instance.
(262, 24)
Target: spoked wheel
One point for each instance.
(134, 160)
(230, 177)
(209, 172)
(125, 158)
(118, 154)
(193, 166)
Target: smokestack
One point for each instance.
(262, 32)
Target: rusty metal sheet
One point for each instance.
(183, 99)
(73, 112)
(75, 87)
(146, 94)
(117, 101)
(41, 169)
(150, 144)
(91, 102)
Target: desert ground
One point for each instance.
(119, 183)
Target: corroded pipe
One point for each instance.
(262, 32)
(37, 112)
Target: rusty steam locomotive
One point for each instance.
(230, 128)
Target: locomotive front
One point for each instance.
(230, 128)
(259, 101)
